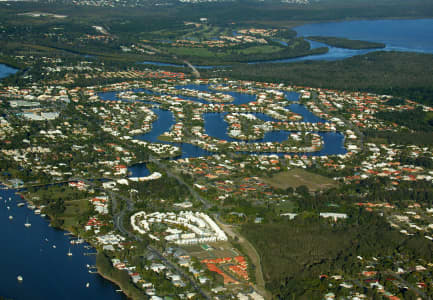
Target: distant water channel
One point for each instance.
(397, 35)
(6, 71)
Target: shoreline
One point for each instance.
(66, 230)
(308, 22)
(112, 280)
(10, 65)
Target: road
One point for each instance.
(206, 204)
(195, 72)
(252, 254)
(249, 248)
(410, 286)
(119, 224)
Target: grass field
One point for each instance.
(218, 250)
(73, 209)
(297, 177)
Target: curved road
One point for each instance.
(118, 223)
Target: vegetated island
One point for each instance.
(346, 43)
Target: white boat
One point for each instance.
(11, 217)
(8, 207)
(87, 284)
(20, 204)
(69, 252)
(37, 211)
(27, 224)
(54, 246)
(20, 278)
(79, 240)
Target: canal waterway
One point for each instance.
(215, 126)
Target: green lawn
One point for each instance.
(73, 209)
(296, 177)
(260, 49)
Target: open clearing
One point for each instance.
(297, 177)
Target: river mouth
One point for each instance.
(397, 35)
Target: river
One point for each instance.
(397, 35)
(47, 271)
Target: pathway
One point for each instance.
(252, 254)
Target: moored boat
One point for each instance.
(27, 224)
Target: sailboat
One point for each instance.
(69, 252)
(27, 224)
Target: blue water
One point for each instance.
(163, 123)
(48, 273)
(399, 35)
(239, 98)
(6, 71)
(291, 96)
(307, 116)
(139, 170)
(215, 126)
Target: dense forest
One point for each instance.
(378, 72)
(296, 253)
(346, 43)
(402, 138)
(415, 119)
